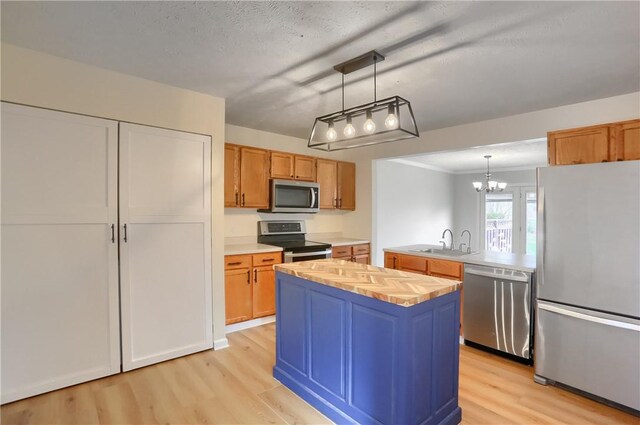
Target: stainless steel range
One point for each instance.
(290, 235)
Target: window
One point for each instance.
(509, 220)
(499, 222)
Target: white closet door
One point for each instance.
(165, 261)
(59, 264)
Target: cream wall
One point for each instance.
(527, 126)
(241, 222)
(33, 78)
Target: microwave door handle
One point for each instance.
(313, 197)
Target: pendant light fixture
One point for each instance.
(489, 185)
(380, 121)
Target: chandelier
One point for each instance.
(489, 185)
(380, 121)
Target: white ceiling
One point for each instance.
(457, 62)
(504, 156)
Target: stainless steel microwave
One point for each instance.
(291, 196)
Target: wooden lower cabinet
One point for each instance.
(357, 253)
(264, 291)
(430, 266)
(238, 295)
(250, 286)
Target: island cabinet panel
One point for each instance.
(361, 360)
(374, 376)
(328, 342)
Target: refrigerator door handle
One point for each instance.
(540, 239)
(587, 317)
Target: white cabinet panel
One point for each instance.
(60, 322)
(165, 202)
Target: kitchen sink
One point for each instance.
(443, 252)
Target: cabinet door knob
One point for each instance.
(236, 198)
(243, 199)
(255, 275)
(113, 233)
(248, 277)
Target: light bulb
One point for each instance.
(391, 121)
(502, 186)
(369, 126)
(477, 186)
(349, 131)
(331, 132)
(492, 185)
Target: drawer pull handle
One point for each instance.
(235, 263)
(264, 260)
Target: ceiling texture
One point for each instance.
(457, 62)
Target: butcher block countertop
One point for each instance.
(392, 286)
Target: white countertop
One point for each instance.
(338, 240)
(524, 263)
(249, 248)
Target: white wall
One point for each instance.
(467, 200)
(241, 222)
(527, 126)
(411, 205)
(37, 79)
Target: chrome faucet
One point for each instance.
(444, 233)
(467, 244)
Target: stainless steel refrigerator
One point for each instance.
(588, 280)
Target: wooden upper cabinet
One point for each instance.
(346, 186)
(579, 146)
(619, 141)
(254, 177)
(327, 177)
(282, 165)
(304, 168)
(627, 140)
(231, 175)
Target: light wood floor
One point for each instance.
(235, 386)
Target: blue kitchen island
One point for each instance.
(368, 345)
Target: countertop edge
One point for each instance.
(463, 259)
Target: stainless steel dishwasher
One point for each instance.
(498, 310)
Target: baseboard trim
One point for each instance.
(221, 343)
(249, 324)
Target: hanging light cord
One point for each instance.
(343, 93)
(375, 93)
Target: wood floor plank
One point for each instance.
(236, 386)
(292, 408)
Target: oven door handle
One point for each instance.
(306, 254)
